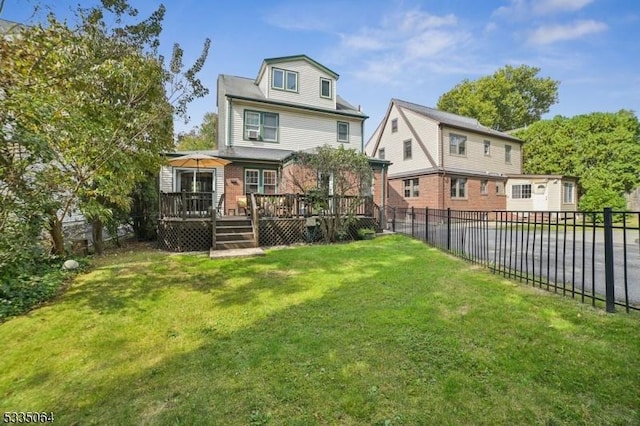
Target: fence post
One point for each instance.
(426, 224)
(448, 228)
(608, 260)
(393, 219)
(412, 221)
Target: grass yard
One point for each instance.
(387, 331)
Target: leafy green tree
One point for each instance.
(511, 98)
(339, 171)
(201, 138)
(601, 149)
(94, 105)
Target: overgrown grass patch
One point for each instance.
(387, 331)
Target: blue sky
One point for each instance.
(412, 50)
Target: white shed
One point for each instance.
(542, 193)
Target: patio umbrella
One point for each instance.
(198, 160)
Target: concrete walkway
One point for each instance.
(217, 254)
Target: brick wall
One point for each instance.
(233, 185)
(431, 188)
(474, 199)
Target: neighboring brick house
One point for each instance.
(292, 105)
(443, 160)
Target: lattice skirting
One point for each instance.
(276, 232)
(184, 235)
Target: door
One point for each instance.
(539, 197)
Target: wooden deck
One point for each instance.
(189, 221)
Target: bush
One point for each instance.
(366, 233)
(28, 274)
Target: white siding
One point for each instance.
(166, 179)
(222, 114)
(308, 85)
(475, 160)
(393, 142)
(297, 130)
(429, 133)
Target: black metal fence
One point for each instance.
(590, 256)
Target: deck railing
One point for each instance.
(300, 205)
(201, 205)
(186, 205)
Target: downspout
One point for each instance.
(441, 149)
(229, 121)
(362, 136)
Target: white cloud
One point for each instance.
(546, 7)
(403, 41)
(549, 34)
(523, 9)
(431, 43)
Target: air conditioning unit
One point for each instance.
(253, 134)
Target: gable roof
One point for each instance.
(8, 27)
(247, 89)
(282, 59)
(453, 120)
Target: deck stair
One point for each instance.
(234, 232)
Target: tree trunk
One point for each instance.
(57, 237)
(96, 232)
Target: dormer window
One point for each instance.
(325, 88)
(284, 80)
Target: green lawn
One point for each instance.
(387, 331)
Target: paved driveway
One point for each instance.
(575, 261)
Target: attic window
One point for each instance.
(325, 88)
(284, 80)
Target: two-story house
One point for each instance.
(292, 105)
(443, 160)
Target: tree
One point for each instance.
(94, 105)
(511, 98)
(336, 171)
(601, 149)
(202, 138)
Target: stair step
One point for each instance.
(234, 236)
(227, 245)
(230, 229)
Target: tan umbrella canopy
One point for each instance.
(198, 160)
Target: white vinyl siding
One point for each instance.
(297, 130)
(308, 77)
(393, 142)
(476, 160)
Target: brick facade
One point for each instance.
(435, 192)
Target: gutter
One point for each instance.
(296, 106)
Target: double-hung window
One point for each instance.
(325, 88)
(411, 187)
(381, 153)
(487, 148)
(261, 126)
(284, 80)
(507, 154)
(521, 191)
(343, 131)
(260, 181)
(394, 125)
(567, 192)
(483, 186)
(457, 144)
(406, 155)
(458, 188)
